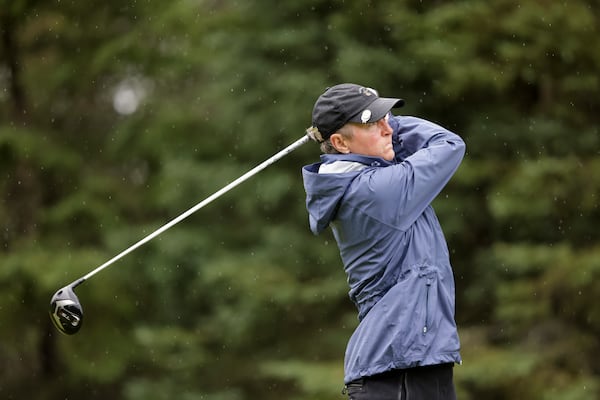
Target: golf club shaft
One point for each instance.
(198, 206)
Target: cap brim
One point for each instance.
(379, 108)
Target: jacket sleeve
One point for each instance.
(412, 134)
(430, 155)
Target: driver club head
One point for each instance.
(65, 311)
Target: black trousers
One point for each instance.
(433, 382)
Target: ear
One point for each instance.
(339, 143)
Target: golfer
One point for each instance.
(374, 187)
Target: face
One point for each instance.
(373, 139)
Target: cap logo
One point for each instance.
(367, 91)
(365, 116)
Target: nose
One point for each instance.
(385, 127)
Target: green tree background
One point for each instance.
(117, 116)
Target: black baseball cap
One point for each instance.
(348, 102)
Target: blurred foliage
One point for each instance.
(117, 117)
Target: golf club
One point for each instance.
(65, 310)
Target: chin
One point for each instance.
(389, 156)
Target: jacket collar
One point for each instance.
(366, 160)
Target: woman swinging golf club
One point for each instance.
(373, 187)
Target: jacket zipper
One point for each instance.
(428, 283)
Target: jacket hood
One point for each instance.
(325, 191)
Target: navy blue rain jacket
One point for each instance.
(392, 247)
